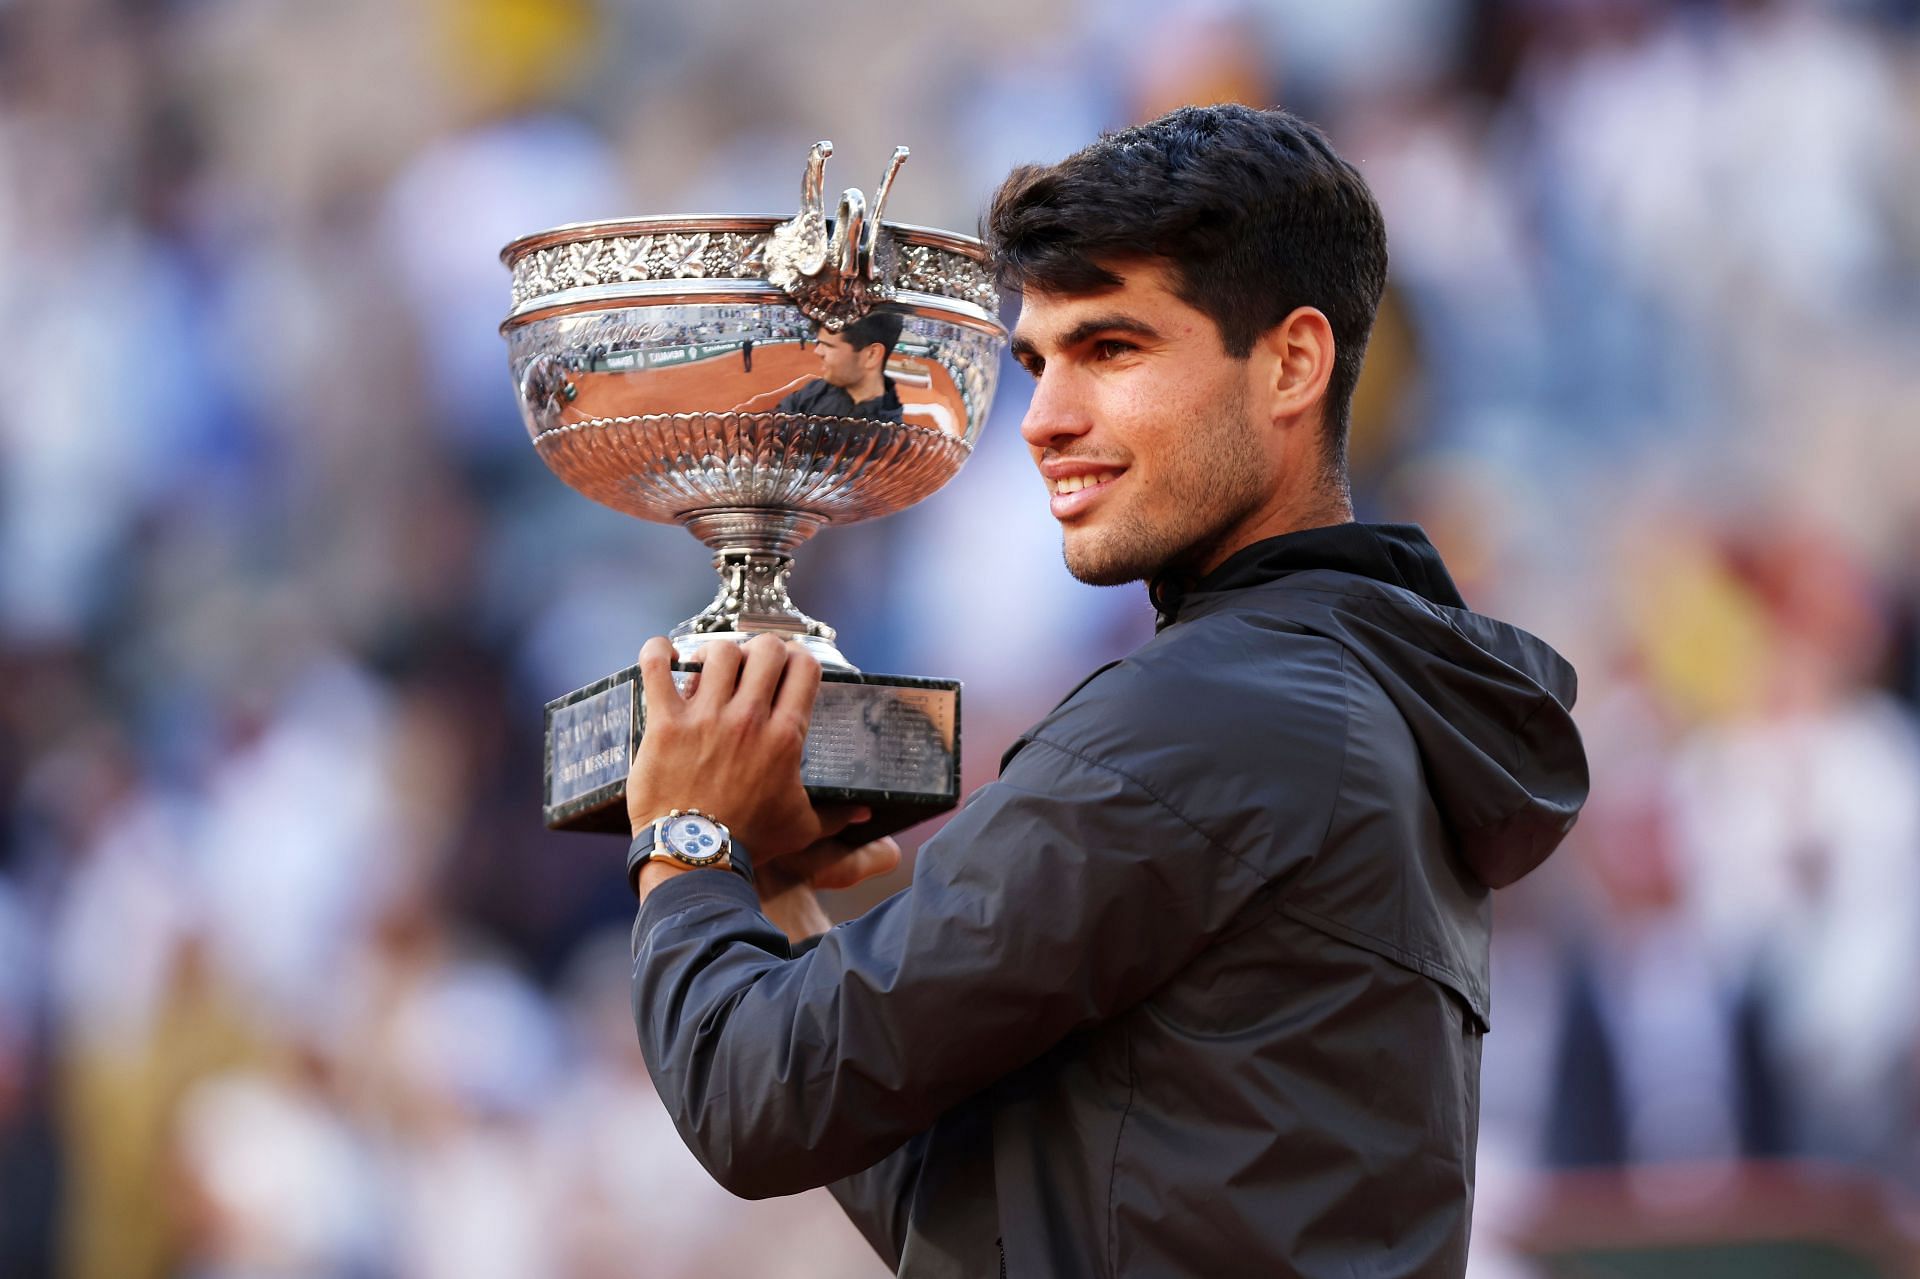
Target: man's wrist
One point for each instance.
(647, 854)
(660, 870)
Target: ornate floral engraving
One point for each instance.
(925, 269)
(733, 256)
(628, 259)
(680, 257)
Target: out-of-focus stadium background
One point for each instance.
(292, 982)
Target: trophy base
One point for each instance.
(888, 742)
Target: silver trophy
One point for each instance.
(756, 379)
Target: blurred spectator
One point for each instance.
(29, 1155)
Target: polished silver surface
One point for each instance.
(665, 367)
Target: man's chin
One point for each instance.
(1115, 561)
(1089, 565)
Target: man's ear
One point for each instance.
(873, 356)
(1300, 363)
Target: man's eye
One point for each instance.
(1111, 349)
(1032, 367)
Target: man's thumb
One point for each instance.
(835, 818)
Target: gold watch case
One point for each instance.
(690, 837)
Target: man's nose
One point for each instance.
(1057, 414)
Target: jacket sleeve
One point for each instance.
(877, 1199)
(1061, 895)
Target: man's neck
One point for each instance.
(870, 387)
(1313, 508)
(1318, 510)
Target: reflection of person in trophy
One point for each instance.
(1198, 986)
(853, 379)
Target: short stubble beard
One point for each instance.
(1217, 480)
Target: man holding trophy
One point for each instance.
(1198, 986)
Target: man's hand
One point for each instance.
(732, 747)
(786, 886)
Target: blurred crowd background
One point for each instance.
(294, 983)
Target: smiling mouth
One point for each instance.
(1074, 483)
(1073, 495)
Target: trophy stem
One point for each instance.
(753, 554)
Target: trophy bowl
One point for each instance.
(755, 379)
(653, 356)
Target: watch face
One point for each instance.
(693, 838)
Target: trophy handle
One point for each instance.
(813, 184)
(800, 250)
(871, 240)
(810, 222)
(850, 238)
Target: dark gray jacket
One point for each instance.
(821, 398)
(1197, 987)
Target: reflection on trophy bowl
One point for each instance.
(663, 374)
(660, 411)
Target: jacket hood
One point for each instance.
(1489, 704)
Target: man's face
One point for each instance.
(1141, 425)
(839, 361)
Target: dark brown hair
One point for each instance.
(881, 328)
(1252, 210)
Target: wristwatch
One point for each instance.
(685, 836)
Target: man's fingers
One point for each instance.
(809, 861)
(658, 695)
(719, 670)
(763, 660)
(832, 818)
(816, 857)
(857, 864)
(798, 687)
